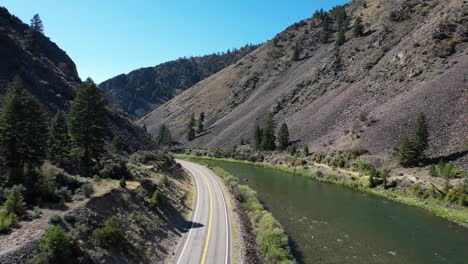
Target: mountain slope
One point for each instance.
(51, 76)
(142, 90)
(367, 93)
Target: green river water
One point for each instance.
(334, 224)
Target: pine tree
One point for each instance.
(34, 33)
(283, 137)
(296, 53)
(268, 137)
(200, 121)
(341, 37)
(306, 150)
(191, 128)
(411, 153)
(326, 30)
(406, 155)
(164, 136)
(358, 27)
(87, 124)
(58, 143)
(257, 138)
(421, 137)
(23, 133)
(15, 202)
(117, 144)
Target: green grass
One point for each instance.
(436, 207)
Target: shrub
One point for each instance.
(55, 219)
(155, 199)
(54, 247)
(364, 166)
(123, 183)
(36, 214)
(15, 202)
(114, 170)
(458, 195)
(442, 169)
(87, 189)
(137, 217)
(111, 234)
(164, 180)
(7, 221)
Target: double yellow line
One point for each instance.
(207, 241)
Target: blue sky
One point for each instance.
(109, 37)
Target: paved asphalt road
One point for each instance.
(208, 241)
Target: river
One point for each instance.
(334, 224)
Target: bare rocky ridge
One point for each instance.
(142, 90)
(366, 93)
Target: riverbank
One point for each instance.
(351, 180)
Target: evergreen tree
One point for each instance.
(326, 30)
(421, 137)
(342, 18)
(268, 137)
(200, 121)
(87, 124)
(117, 144)
(406, 156)
(306, 150)
(358, 27)
(296, 53)
(191, 128)
(15, 202)
(34, 33)
(58, 143)
(341, 37)
(23, 133)
(283, 137)
(257, 138)
(164, 136)
(411, 153)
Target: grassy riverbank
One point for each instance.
(436, 207)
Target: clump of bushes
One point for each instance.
(123, 183)
(442, 169)
(7, 221)
(87, 189)
(458, 195)
(114, 170)
(54, 247)
(155, 199)
(110, 235)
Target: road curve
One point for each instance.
(208, 240)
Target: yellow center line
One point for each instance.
(205, 250)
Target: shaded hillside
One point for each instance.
(412, 58)
(50, 76)
(142, 90)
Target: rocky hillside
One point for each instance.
(411, 58)
(142, 90)
(51, 76)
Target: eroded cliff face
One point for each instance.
(366, 93)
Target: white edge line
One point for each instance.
(226, 214)
(193, 221)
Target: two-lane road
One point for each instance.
(209, 238)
